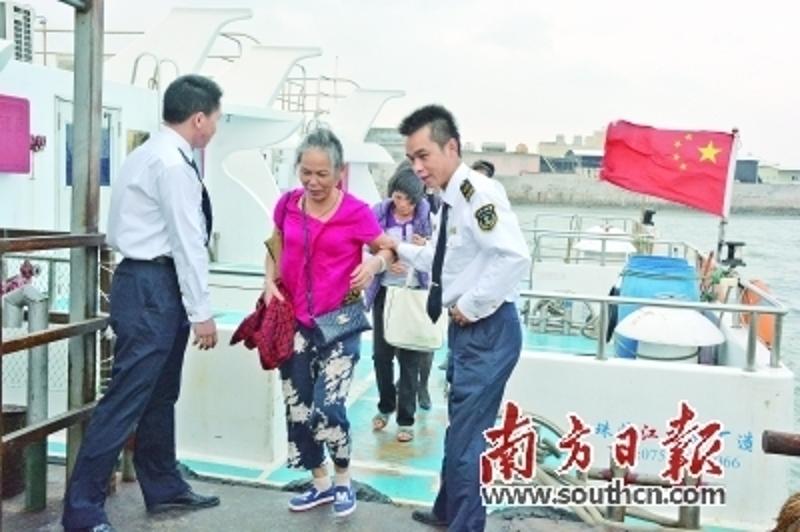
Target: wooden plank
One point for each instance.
(41, 243)
(53, 335)
(38, 431)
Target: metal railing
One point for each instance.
(313, 96)
(17, 241)
(235, 37)
(566, 252)
(576, 222)
(776, 309)
(773, 308)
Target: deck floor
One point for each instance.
(245, 508)
(405, 472)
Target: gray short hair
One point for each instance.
(322, 139)
(406, 181)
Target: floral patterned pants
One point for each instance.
(315, 382)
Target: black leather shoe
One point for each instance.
(188, 501)
(427, 517)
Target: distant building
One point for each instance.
(775, 175)
(493, 147)
(584, 155)
(506, 163)
(751, 170)
(559, 147)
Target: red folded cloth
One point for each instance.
(270, 328)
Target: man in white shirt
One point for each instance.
(486, 168)
(160, 222)
(477, 258)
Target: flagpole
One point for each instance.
(726, 206)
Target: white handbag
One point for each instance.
(405, 321)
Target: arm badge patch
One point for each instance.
(487, 217)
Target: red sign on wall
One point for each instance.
(15, 135)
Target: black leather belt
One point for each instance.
(163, 259)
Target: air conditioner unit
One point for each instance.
(16, 24)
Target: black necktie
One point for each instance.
(206, 202)
(434, 306)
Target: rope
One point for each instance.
(593, 515)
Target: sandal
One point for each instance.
(380, 421)
(405, 434)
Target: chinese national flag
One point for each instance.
(688, 167)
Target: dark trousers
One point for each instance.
(483, 356)
(425, 363)
(316, 381)
(402, 398)
(151, 329)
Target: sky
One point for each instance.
(522, 71)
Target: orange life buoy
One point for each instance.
(766, 322)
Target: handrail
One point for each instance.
(760, 292)
(539, 233)
(135, 68)
(778, 310)
(232, 36)
(55, 334)
(571, 236)
(51, 241)
(37, 431)
(576, 220)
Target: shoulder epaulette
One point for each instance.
(467, 189)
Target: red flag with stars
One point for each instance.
(688, 167)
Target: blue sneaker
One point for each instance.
(344, 502)
(311, 499)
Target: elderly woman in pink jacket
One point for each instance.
(324, 231)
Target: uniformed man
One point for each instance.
(160, 222)
(477, 258)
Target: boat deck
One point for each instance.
(244, 508)
(406, 473)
